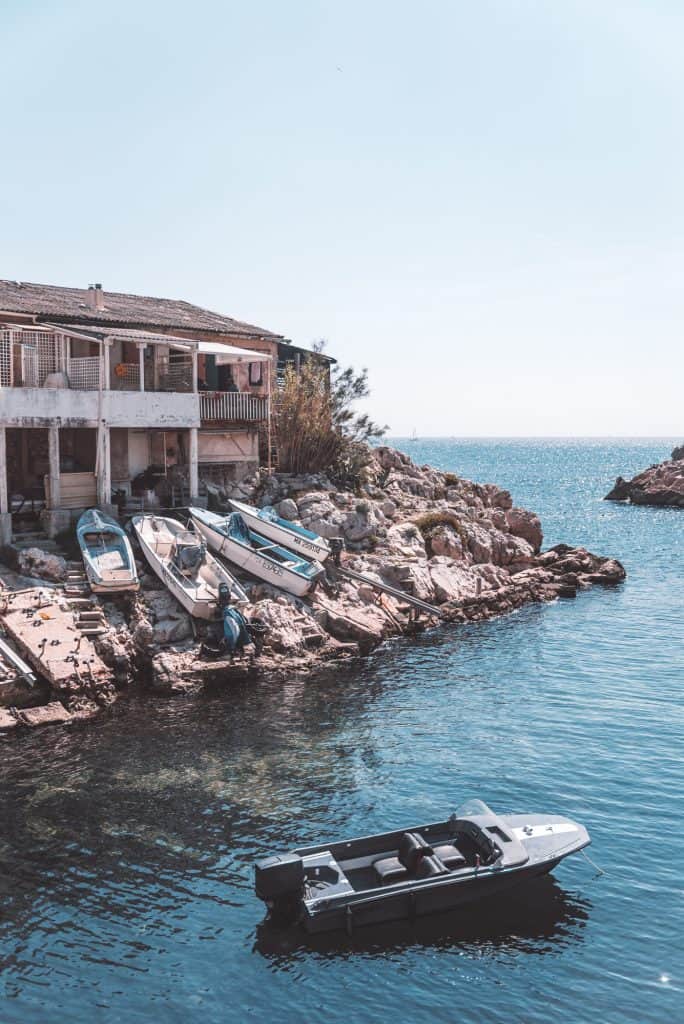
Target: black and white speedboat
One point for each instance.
(408, 874)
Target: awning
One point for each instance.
(230, 354)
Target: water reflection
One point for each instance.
(538, 918)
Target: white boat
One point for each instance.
(268, 523)
(183, 564)
(107, 553)
(230, 537)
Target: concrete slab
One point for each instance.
(46, 634)
(49, 714)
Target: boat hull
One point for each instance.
(198, 607)
(252, 562)
(420, 902)
(410, 873)
(108, 563)
(315, 548)
(100, 587)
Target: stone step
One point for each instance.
(44, 543)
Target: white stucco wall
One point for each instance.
(167, 411)
(43, 407)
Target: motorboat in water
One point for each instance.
(230, 537)
(410, 873)
(181, 561)
(107, 553)
(267, 522)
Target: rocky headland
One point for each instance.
(462, 547)
(662, 484)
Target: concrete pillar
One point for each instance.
(104, 466)
(107, 348)
(4, 506)
(192, 458)
(5, 517)
(194, 371)
(53, 454)
(141, 364)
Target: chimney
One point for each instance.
(96, 296)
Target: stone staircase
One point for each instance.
(88, 614)
(33, 537)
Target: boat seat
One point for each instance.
(429, 866)
(450, 856)
(412, 851)
(390, 870)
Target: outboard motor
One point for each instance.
(336, 549)
(279, 882)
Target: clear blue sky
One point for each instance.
(480, 201)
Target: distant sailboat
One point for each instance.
(414, 435)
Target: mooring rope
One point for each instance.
(595, 866)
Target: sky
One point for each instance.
(482, 203)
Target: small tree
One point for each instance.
(317, 428)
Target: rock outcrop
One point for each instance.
(662, 484)
(462, 547)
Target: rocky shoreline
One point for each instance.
(661, 485)
(462, 547)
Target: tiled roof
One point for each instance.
(74, 305)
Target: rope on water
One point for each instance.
(595, 866)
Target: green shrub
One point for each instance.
(451, 480)
(430, 521)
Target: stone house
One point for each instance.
(107, 396)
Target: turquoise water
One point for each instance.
(126, 846)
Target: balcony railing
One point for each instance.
(220, 406)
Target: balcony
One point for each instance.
(232, 406)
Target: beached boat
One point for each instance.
(230, 537)
(182, 562)
(267, 522)
(408, 874)
(107, 553)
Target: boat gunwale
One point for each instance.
(306, 536)
(227, 538)
(163, 568)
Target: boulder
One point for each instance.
(361, 524)
(389, 509)
(42, 564)
(284, 623)
(366, 624)
(287, 509)
(406, 535)
(479, 542)
(413, 577)
(452, 582)
(527, 525)
(660, 485)
(445, 540)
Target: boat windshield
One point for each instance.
(473, 808)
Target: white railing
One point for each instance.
(232, 405)
(84, 373)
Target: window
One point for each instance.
(256, 375)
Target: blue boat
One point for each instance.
(107, 553)
(230, 537)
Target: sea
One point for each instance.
(127, 844)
